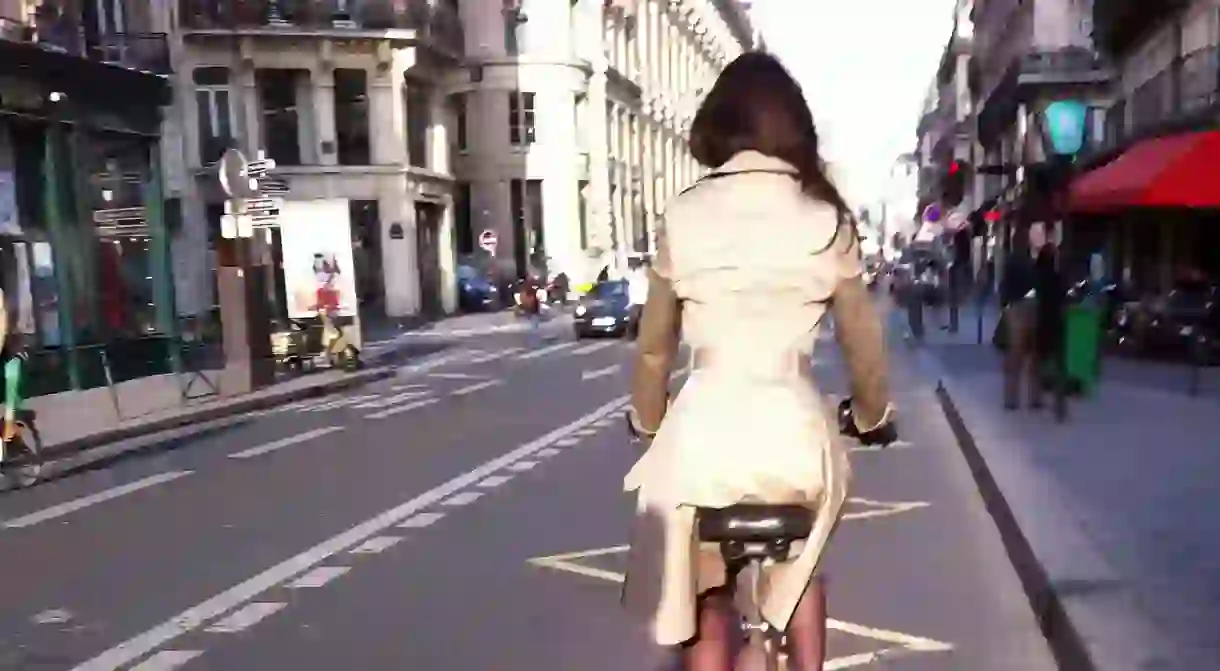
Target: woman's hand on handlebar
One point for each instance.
(882, 434)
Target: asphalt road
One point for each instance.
(429, 522)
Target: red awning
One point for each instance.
(1175, 171)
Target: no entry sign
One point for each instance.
(488, 240)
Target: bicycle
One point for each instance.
(23, 458)
(754, 535)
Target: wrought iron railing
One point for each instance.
(1159, 102)
(1151, 102)
(148, 52)
(436, 20)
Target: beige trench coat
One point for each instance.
(747, 267)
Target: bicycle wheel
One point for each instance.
(23, 460)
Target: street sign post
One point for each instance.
(488, 241)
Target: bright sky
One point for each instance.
(865, 66)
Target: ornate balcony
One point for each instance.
(436, 21)
(145, 52)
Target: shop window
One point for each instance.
(352, 116)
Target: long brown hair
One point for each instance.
(755, 104)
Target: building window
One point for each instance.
(215, 112)
(459, 115)
(277, 89)
(419, 123)
(582, 200)
(521, 118)
(463, 221)
(352, 116)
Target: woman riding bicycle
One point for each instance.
(750, 261)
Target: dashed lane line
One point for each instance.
(376, 545)
(246, 617)
(472, 388)
(69, 507)
(399, 409)
(462, 499)
(388, 401)
(318, 577)
(595, 347)
(245, 592)
(421, 520)
(274, 445)
(546, 351)
(167, 660)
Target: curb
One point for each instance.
(73, 455)
(1065, 640)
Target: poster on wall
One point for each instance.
(9, 221)
(319, 272)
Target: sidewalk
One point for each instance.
(1109, 518)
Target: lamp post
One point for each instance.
(1062, 132)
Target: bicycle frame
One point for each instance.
(12, 396)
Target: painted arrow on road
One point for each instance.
(600, 372)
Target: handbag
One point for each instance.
(999, 338)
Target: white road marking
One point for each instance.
(584, 433)
(462, 499)
(470, 389)
(421, 520)
(600, 372)
(881, 508)
(375, 545)
(391, 400)
(595, 347)
(456, 376)
(248, 616)
(194, 617)
(69, 507)
(284, 442)
(436, 362)
(495, 481)
(568, 442)
(601, 424)
(410, 387)
(492, 356)
(545, 351)
(53, 616)
(318, 577)
(901, 644)
(167, 660)
(522, 466)
(400, 409)
(338, 403)
(548, 452)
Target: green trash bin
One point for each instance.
(1082, 347)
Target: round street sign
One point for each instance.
(488, 240)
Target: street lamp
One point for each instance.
(1063, 133)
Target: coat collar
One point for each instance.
(744, 161)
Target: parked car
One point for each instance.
(476, 291)
(605, 310)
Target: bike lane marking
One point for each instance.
(274, 445)
(242, 595)
(69, 507)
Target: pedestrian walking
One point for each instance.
(1050, 301)
(1015, 331)
(766, 231)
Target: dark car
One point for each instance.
(605, 310)
(1172, 325)
(476, 291)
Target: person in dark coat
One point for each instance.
(1050, 302)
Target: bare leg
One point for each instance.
(711, 649)
(807, 630)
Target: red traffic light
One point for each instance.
(992, 216)
(954, 167)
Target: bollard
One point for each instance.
(114, 393)
(1197, 344)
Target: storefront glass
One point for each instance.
(79, 246)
